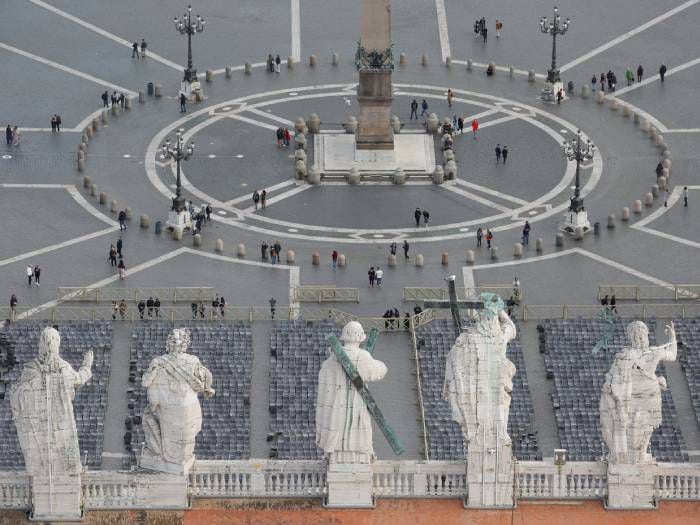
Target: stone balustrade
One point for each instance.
(574, 480)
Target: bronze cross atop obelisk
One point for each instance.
(375, 62)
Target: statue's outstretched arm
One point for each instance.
(507, 326)
(669, 351)
(84, 373)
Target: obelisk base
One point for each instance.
(374, 95)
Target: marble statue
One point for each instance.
(42, 408)
(173, 417)
(630, 403)
(478, 386)
(343, 422)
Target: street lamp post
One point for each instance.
(186, 25)
(179, 216)
(554, 27)
(580, 151)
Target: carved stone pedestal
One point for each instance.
(631, 486)
(349, 485)
(489, 476)
(151, 462)
(57, 499)
(179, 220)
(573, 221)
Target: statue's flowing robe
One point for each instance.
(42, 407)
(479, 379)
(343, 422)
(173, 417)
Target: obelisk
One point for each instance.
(375, 62)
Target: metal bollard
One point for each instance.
(448, 62)
(229, 71)
(470, 65)
(158, 228)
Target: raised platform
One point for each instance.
(335, 154)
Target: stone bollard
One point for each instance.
(290, 63)
(585, 91)
(88, 131)
(655, 190)
(229, 71)
(402, 59)
(314, 175)
(659, 141)
(128, 213)
(450, 170)
(104, 116)
(113, 207)
(470, 65)
(636, 118)
(614, 104)
(396, 124)
(600, 97)
(299, 125)
(158, 90)
(666, 154)
(300, 169)
(312, 61)
(247, 68)
(445, 259)
(661, 182)
(644, 126)
(196, 240)
(539, 245)
(300, 141)
(142, 97)
(579, 233)
(391, 260)
(87, 181)
(177, 234)
(470, 257)
(316, 258)
(103, 198)
(350, 124)
(625, 214)
(399, 177)
(85, 139)
(95, 124)
(438, 175)
(511, 72)
(342, 261)
(93, 190)
(145, 222)
(493, 67)
(314, 124)
(666, 174)
(559, 240)
(127, 103)
(433, 124)
(517, 250)
(653, 132)
(354, 177)
(335, 59)
(115, 109)
(424, 60)
(611, 221)
(82, 149)
(299, 154)
(531, 76)
(240, 250)
(209, 76)
(626, 111)
(81, 163)
(219, 246)
(648, 200)
(419, 260)
(637, 206)
(291, 257)
(448, 155)
(494, 253)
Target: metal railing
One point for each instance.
(108, 293)
(423, 293)
(624, 311)
(326, 294)
(419, 386)
(650, 292)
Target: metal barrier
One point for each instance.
(419, 386)
(326, 294)
(651, 292)
(109, 293)
(417, 294)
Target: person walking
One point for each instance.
(222, 307)
(8, 135)
(278, 61)
(256, 199)
(273, 303)
(334, 259)
(141, 307)
(392, 248)
(414, 109)
(560, 95)
(58, 123)
(640, 72)
(30, 274)
(270, 64)
(120, 244)
(417, 215)
(666, 194)
(450, 96)
(122, 309)
(685, 196)
(594, 80)
(504, 153)
(405, 249)
(121, 269)
(263, 198)
(37, 275)
(629, 75)
(489, 238)
(379, 276)
(135, 50)
(479, 236)
(371, 275)
(424, 108)
(526, 233)
(122, 220)
(662, 72)
(460, 125)
(602, 81)
(484, 32)
(156, 307)
(498, 153)
(149, 306)
(426, 217)
(112, 255)
(183, 103)
(280, 137)
(53, 124)
(144, 45)
(13, 307)
(475, 127)
(499, 27)
(263, 251)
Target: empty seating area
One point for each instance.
(226, 349)
(445, 436)
(297, 350)
(19, 344)
(688, 333)
(578, 376)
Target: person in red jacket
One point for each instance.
(475, 127)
